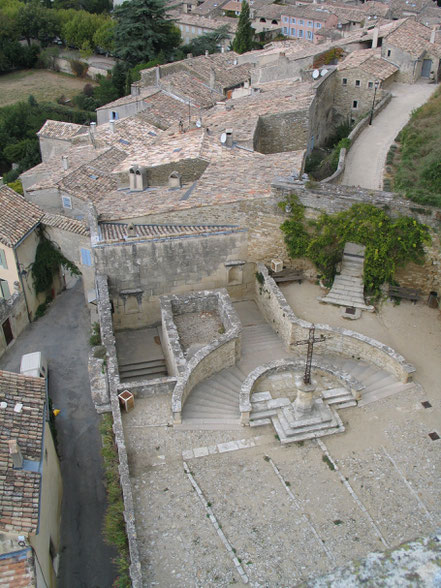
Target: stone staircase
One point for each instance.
(142, 370)
(348, 289)
(214, 403)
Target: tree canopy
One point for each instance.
(143, 30)
(243, 41)
(208, 42)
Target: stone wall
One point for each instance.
(345, 342)
(123, 111)
(108, 339)
(13, 309)
(283, 69)
(345, 95)
(288, 131)
(409, 68)
(322, 110)
(49, 147)
(140, 272)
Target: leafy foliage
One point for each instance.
(114, 524)
(243, 41)
(37, 22)
(208, 42)
(331, 56)
(390, 243)
(418, 168)
(48, 260)
(143, 30)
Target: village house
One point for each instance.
(305, 22)
(30, 484)
(361, 75)
(194, 25)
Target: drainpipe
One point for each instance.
(20, 277)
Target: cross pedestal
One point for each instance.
(304, 403)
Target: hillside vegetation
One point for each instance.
(416, 164)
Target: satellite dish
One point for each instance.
(198, 123)
(315, 74)
(223, 138)
(323, 72)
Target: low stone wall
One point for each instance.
(352, 136)
(171, 346)
(344, 342)
(222, 352)
(207, 361)
(108, 340)
(148, 388)
(282, 365)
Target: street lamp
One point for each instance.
(376, 86)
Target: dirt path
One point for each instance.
(365, 161)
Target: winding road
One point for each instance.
(366, 158)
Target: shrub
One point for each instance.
(95, 336)
(79, 68)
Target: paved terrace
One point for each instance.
(219, 507)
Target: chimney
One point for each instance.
(92, 127)
(185, 7)
(135, 90)
(207, 53)
(212, 78)
(433, 34)
(189, 55)
(158, 75)
(15, 453)
(112, 126)
(175, 180)
(222, 49)
(131, 230)
(229, 141)
(65, 162)
(375, 38)
(137, 178)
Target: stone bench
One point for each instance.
(406, 293)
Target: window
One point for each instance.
(344, 82)
(86, 257)
(199, 32)
(300, 33)
(293, 21)
(186, 28)
(310, 23)
(285, 19)
(293, 32)
(285, 30)
(301, 22)
(355, 104)
(193, 30)
(113, 115)
(370, 84)
(4, 289)
(357, 83)
(67, 201)
(309, 33)
(318, 25)
(389, 52)
(3, 262)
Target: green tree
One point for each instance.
(143, 30)
(37, 22)
(119, 75)
(243, 41)
(105, 92)
(209, 42)
(104, 36)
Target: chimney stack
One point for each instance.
(112, 126)
(375, 38)
(229, 133)
(131, 231)
(207, 53)
(158, 75)
(15, 453)
(433, 34)
(92, 127)
(65, 162)
(212, 78)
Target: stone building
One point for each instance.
(30, 484)
(356, 76)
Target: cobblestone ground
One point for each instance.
(287, 513)
(197, 328)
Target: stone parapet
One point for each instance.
(148, 388)
(282, 365)
(344, 342)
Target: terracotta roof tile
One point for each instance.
(22, 415)
(17, 570)
(119, 231)
(65, 223)
(18, 216)
(56, 129)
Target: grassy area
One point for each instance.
(44, 85)
(414, 166)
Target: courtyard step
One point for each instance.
(154, 368)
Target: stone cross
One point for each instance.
(310, 342)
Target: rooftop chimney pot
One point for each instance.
(15, 453)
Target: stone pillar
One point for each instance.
(177, 418)
(304, 402)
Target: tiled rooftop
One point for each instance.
(190, 88)
(119, 231)
(55, 129)
(235, 175)
(413, 38)
(129, 99)
(370, 62)
(164, 110)
(18, 216)
(22, 419)
(208, 6)
(17, 570)
(65, 223)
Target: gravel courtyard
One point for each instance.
(215, 508)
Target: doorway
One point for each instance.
(7, 331)
(427, 68)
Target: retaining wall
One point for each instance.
(344, 342)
